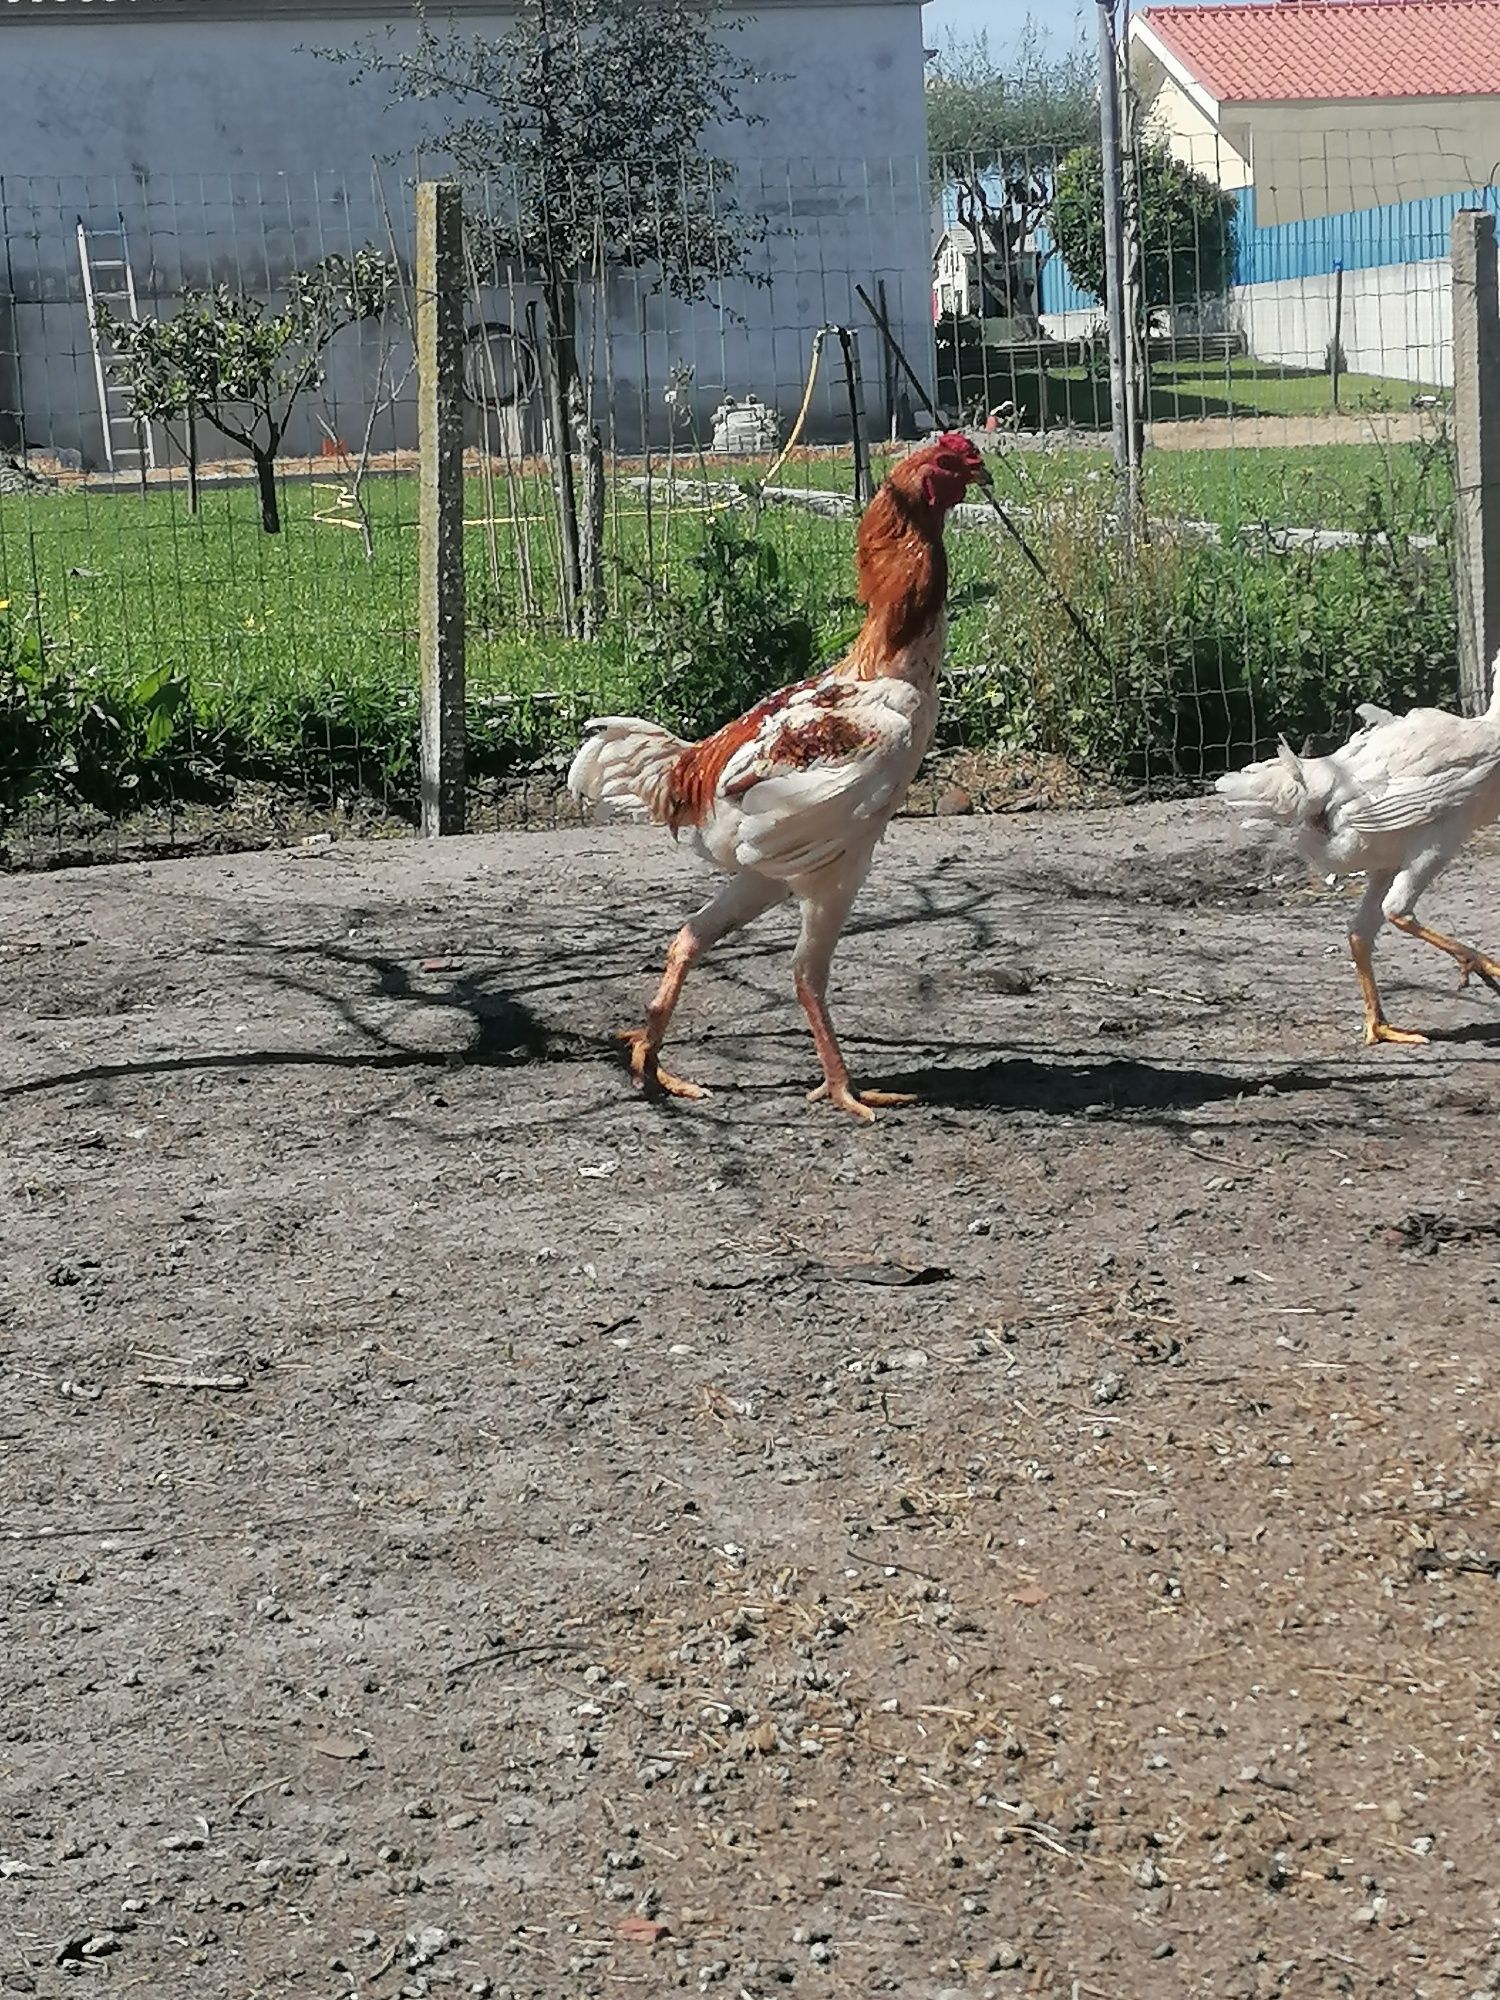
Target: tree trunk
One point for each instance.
(557, 354)
(265, 473)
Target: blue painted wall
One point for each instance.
(1405, 232)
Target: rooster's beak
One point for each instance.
(982, 477)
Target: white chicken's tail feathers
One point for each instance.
(1492, 713)
(624, 766)
(1275, 792)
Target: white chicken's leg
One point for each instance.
(824, 915)
(1469, 960)
(739, 902)
(1362, 934)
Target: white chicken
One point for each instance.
(1395, 805)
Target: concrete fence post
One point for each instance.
(1476, 420)
(440, 452)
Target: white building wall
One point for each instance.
(1397, 321)
(237, 155)
(1192, 137)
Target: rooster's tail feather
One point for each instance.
(624, 765)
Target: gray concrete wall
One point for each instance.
(237, 155)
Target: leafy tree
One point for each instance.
(996, 132)
(227, 356)
(1186, 227)
(579, 134)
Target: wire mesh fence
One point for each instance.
(207, 528)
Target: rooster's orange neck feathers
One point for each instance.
(903, 575)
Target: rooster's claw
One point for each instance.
(861, 1104)
(646, 1071)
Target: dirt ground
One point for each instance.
(467, 1530)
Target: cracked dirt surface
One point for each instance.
(464, 1529)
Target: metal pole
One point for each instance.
(1336, 351)
(1476, 424)
(1114, 237)
(887, 369)
(440, 528)
(1132, 282)
(849, 341)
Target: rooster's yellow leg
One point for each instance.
(1377, 1027)
(742, 898)
(644, 1044)
(879, 1100)
(1469, 960)
(861, 1104)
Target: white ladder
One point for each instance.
(111, 281)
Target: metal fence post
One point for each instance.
(1476, 421)
(1111, 150)
(440, 450)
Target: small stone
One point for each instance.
(456, 1822)
(1006, 1959)
(425, 1945)
(420, 1809)
(953, 801)
(1109, 1389)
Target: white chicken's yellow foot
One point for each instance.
(1487, 969)
(861, 1104)
(1377, 1027)
(1468, 960)
(646, 1070)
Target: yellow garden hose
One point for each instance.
(807, 394)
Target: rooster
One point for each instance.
(1395, 805)
(791, 798)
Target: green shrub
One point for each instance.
(1213, 648)
(734, 632)
(66, 729)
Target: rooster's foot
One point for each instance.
(646, 1071)
(861, 1104)
(1382, 1031)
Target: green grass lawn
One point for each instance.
(296, 642)
(1244, 387)
(1180, 391)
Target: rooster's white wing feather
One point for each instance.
(822, 775)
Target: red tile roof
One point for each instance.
(1315, 49)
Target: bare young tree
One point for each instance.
(228, 357)
(581, 133)
(997, 129)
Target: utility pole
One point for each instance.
(1119, 311)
